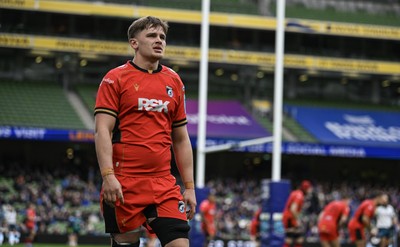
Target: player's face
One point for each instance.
(150, 43)
(384, 199)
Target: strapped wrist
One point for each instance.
(189, 185)
(107, 171)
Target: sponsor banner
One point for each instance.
(17, 4)
(194, 17)
(193, 54)
(314, 149)
(225, 119)
(343, 29)
(43, 134)
(353, 127)
(65, 44)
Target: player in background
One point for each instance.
(139, 116)
(361, 219)
(75, 224)
(333, 216)
(386, 221)
(255, 228)
(30, 224)
(208, 210)
(294, 232)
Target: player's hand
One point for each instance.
(189, 196)
(112, 190)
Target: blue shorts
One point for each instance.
(385, 232)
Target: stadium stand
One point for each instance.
(87, 92)
(36, 104)
(59, 195)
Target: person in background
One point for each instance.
(10, 217)
(361, 219)
(140, 115)
(75, 225)
(333, 216)
(386, 221)
(294, 231)
(255, 228)
(208, 210)
(30, 224)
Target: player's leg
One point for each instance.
(360, 238)
(335, 243)
(324, 239)
(128, 239)
(171, 232)
(385, 235)
(168, 217)
(151, 239)
(325, 243)
(289, 231)
(384, 242)
(299, 240)
(288, 241)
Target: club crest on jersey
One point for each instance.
(169, 91)
(181, 206)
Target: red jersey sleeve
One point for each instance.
(107, 99)
(369, 210)
(298, 198)
(180, 117)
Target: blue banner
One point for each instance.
(44, 134)
(351, 151)
(349, 127)
(315, 149)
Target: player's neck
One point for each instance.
(145, 64)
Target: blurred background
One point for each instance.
(341, 122)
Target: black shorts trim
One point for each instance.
(359, 235)
(110, 219)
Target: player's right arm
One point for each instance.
(104, 124)
(344, 216)
(366, 221)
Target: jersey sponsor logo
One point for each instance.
(169, 91)
(156, 105)
(108, 80)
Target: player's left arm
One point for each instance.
(184, 161)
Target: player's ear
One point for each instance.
(134, 43)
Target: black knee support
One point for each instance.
(115, 244)
(169, 229)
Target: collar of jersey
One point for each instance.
(145, 70)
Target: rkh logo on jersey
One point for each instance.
(152, 105)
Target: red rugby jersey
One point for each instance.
(297, 196)
(367, 207)
(146, 105)
(334, 211)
